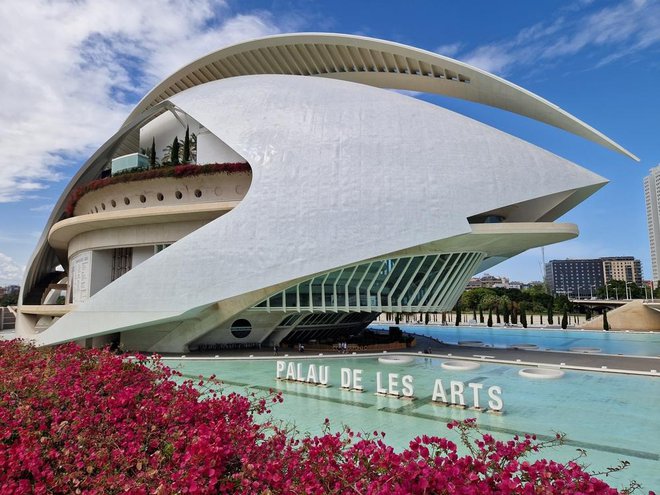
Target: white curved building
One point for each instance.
(341, 200)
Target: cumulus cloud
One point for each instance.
(606, 34)
(73, 69)
(10, 272)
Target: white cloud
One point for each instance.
(449, 50)
(46, 207)
(10, 271)
(73, 69)
(605, 34)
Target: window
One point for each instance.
(159, 247)
(122, 259)
(241, 328)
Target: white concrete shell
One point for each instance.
(343, 173)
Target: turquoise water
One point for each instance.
(629, 343)
(613, 417)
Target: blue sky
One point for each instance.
(74, 69)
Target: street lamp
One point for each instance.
(591, 292)
(628, 291)
(616, 291)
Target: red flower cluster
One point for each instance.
(154, 173)
(87, 421)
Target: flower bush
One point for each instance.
(187, 170)
(87, 421)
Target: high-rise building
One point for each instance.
(574, 277)
(581, 277)
(652, 193)
(624, 268)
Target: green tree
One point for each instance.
(523, 317)
(564, 318)
(550, 320)
(174, 156)
(606, 324)
(186, 146)
(490, 317)
(152, 153)
(515, 308)
(481, 314)
(458, 314)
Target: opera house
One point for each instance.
(304, 199)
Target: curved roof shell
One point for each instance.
(374, 62)
(342, 172)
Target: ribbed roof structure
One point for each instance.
(374, 62)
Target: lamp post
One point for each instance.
(591, 292)
(607, 294)
(578, 292)
(628, 291)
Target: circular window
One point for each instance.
(127, 201)
(198, 193)
(160, 196)
(241, 328)
(178, 195)
(113, 203)
(103, 206)
(143, 198)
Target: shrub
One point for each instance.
(87, 421)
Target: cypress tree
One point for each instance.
(550, 321)
(481, 314)
(186, 146)
(474, 313)
(606, 325)
(152, 153)
(497, 314)
(564, 319)
(174, 158)
(523, 318)
(458, 314)
(490, 317)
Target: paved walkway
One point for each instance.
(638, 365)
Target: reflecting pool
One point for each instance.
(613, 417)
(628, 343)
